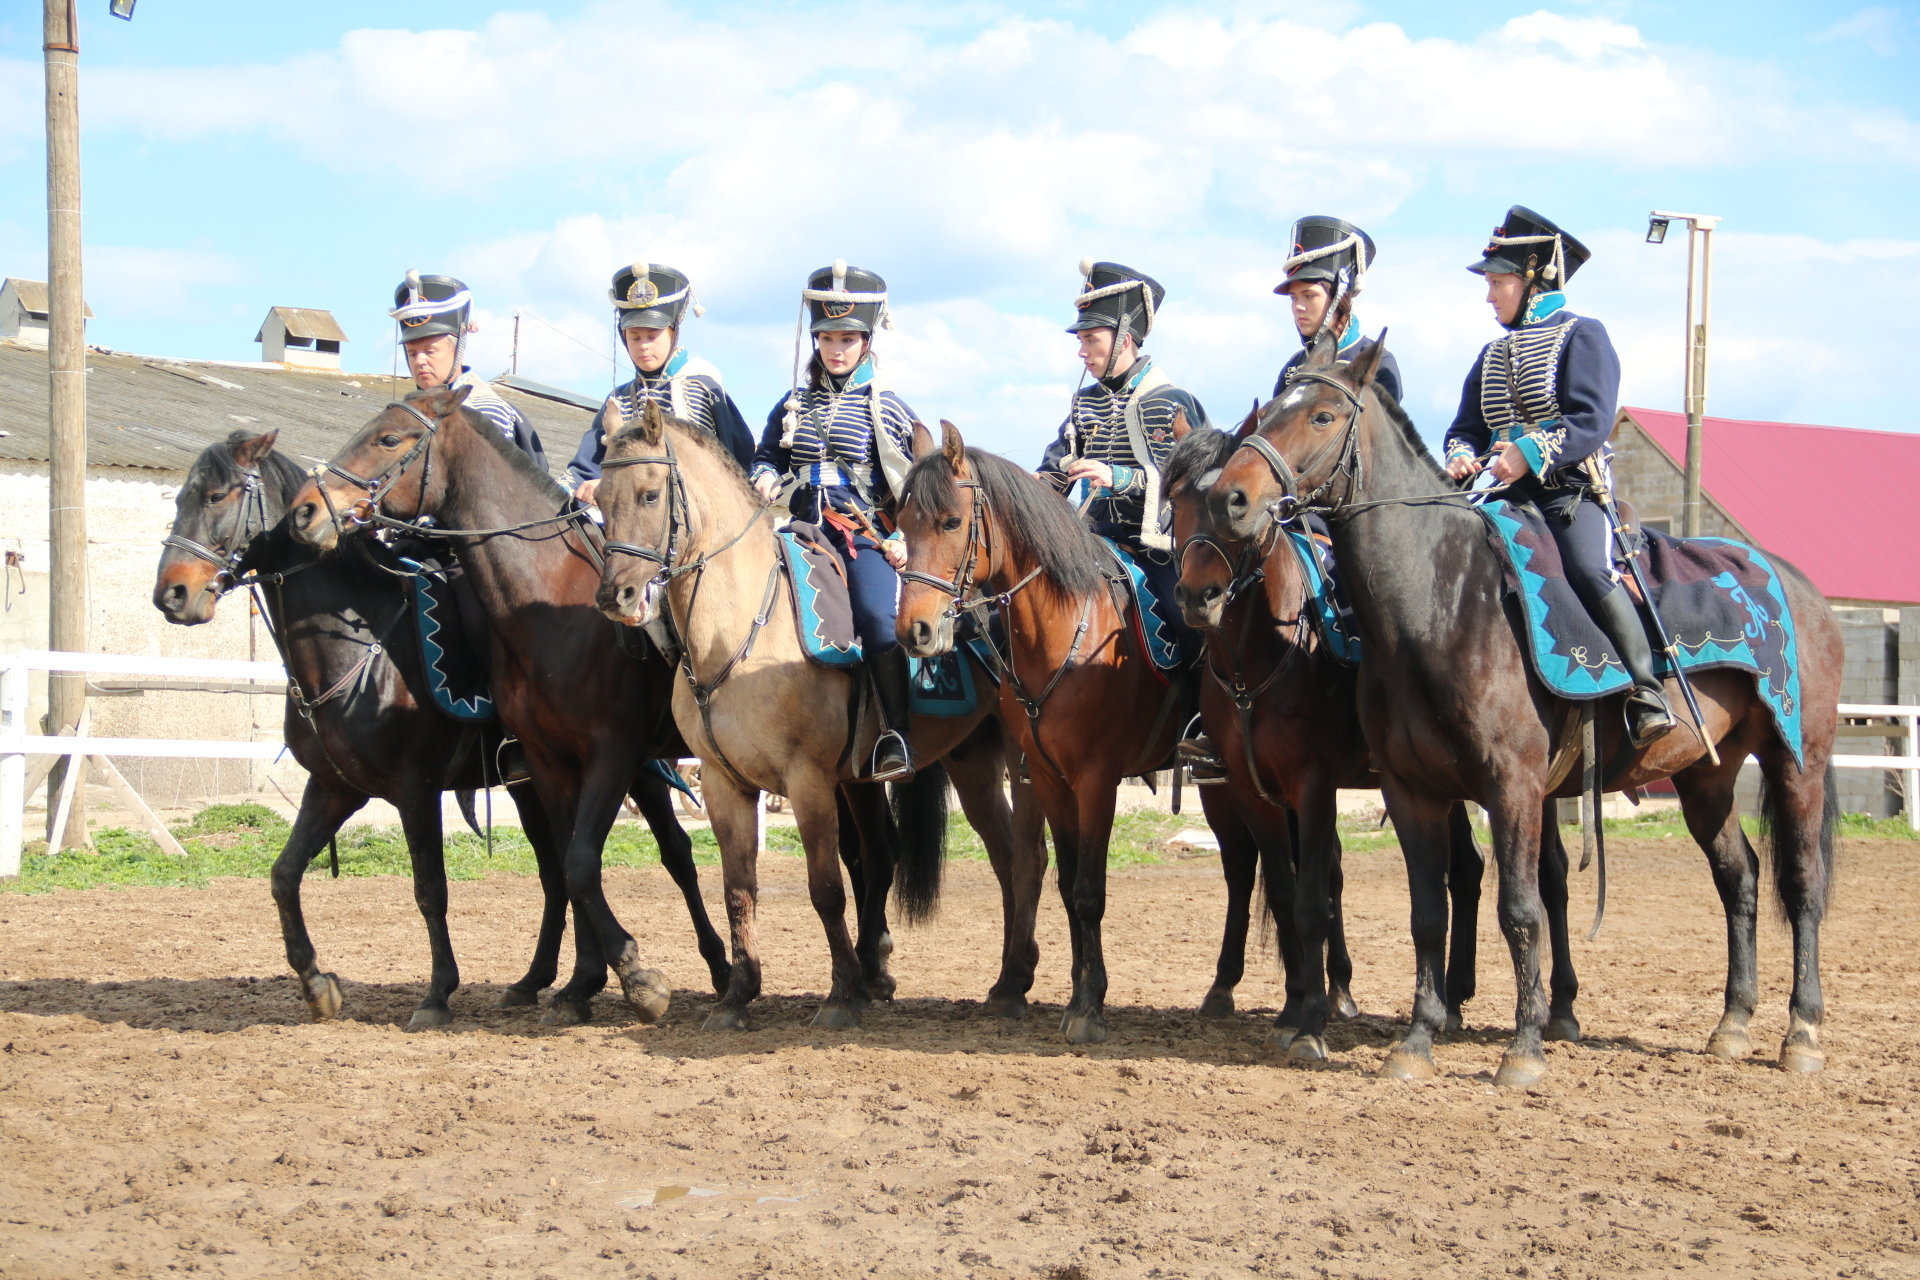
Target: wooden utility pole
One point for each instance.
(67, 398)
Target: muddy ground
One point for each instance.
(166, 1107)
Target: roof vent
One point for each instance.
(301, 338)
(23, 311)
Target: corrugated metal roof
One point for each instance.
(143, 411)
(33, 296)
(304, 322)
(1782, 480)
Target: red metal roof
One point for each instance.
(1842, 504)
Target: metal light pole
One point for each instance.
(1699, 272)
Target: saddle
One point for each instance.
(1154, 616)
(1721, 601)
(1326, 604)
(454, 657)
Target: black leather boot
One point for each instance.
(892, 686)
(1196, 750)
(1648, 715)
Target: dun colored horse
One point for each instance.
(1451, 709)
(691, 541)
(588, 713)
(1084, 701)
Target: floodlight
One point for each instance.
(1657, 230)
(122, 8)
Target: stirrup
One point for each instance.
(1649, 718)
(898, 771)
(510, 763)
(1203, 763)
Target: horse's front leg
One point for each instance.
(732, 812)
(1313, 893)
(1516, 850)
(322, 811)
(817, 814)
(1085, 1021)
(426, 848)
(1420, 822)
(1017, 850)
(608, 776)
(653, 796)
(1240, 866)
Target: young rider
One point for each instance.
(1541, 399)
(650, 302)
(1326, 271)
(434, 312)
(839, 445)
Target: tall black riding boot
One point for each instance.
(1648, 715)
(892, 685)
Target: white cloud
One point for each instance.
(1881, 30)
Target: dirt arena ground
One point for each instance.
(166, 1108)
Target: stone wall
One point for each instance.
(1645, 477)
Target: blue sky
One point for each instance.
(242, 156)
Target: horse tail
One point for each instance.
(920, 813)
(1802, 859)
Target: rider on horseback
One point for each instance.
(1542, 401)
(433, 312)
(1326, 271)
(650, 301)
(840, 446)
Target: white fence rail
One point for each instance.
(16, 744)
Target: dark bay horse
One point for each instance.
(1452, 710)
(1280, 709)
(690, 541)
(588, 713)
(1084, 703)
(362, 722)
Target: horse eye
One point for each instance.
(1323, 419)
(950, 523)
(390, 441)
(651, 497)
(217, 497)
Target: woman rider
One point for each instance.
(1541, 399)
(1326, 271)
(840, 444)
(434, 312)
(650, 302)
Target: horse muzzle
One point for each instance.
(926, 638)
(631, 604)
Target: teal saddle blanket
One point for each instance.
(1326, 604)
(1722, 602)
(456, 668)
(946, 685)
(1155, 615)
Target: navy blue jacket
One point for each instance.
(1569, 379)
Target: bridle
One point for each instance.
(364, 511)
(979, 530)
(250, 520)
(1346, 444)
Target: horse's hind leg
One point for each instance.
(1085, 1020)
(654, 797)
(1314, 857)
(732, 814)
(1340, 1002)
(1565, 983)
(597, 803)
(1804, 812)
(865, 806)
(1421, 823)
(1240, 865)
(816, 813)
(1465, 869)
(545, 965)
(322, 810)
(420, 820)
(1017, 851)
(1707, 803)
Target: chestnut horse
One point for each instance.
(1452, 709)
(1085, 703)
(588, 713)
(690, 541)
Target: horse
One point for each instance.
(690, 541)
(1077, 684)
(358, 716)
(1280, 707)
(1452, 709)
(588, 713)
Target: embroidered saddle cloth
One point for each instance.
(456, 668)
(823, 615)
(1154, 614)
(1326, 603)
(1722, 603)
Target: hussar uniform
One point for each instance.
(1336, 254)
(427, 306)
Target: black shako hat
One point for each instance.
(428, 306)
(646, 295)
(1323, 249)
(1526, 244)
(1118, 298)
(844, 299)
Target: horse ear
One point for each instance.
(653, 423)
(1323, 353)
(953, 447)
(1365, 365)
(922, 440)
(249, 452)
(1252, 422)
(1181, 427)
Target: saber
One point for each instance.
(1631, 555)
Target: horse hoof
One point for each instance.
(1084, 1028)
(323, 997)
(1342, 1008)
(427, 1017)
(837, 1017)
(1307, 1051)
(565, 1011)
(1733, 1044)
(1012, 1008)
(647, 991)
(1404, 1064)
(881, 987)
(1563, 1027)
(518, 998)
(1218, 1004)
(1456, 1021)
(1520, 1071)
(1280, 1039)
(721, 1019)
(1802, 1057)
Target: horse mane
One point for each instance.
(511, 454)
(1202, 451)
(1035, 518)
(216, 463)
(706, 441)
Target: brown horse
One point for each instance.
(690, 540)
(1086, 705)
(1452, 709)
(588, 713)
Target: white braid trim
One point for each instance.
(427, 307)
(1556, 269)
(1353, 242)
(1090, 296)
(663, 300)
(841, 295)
